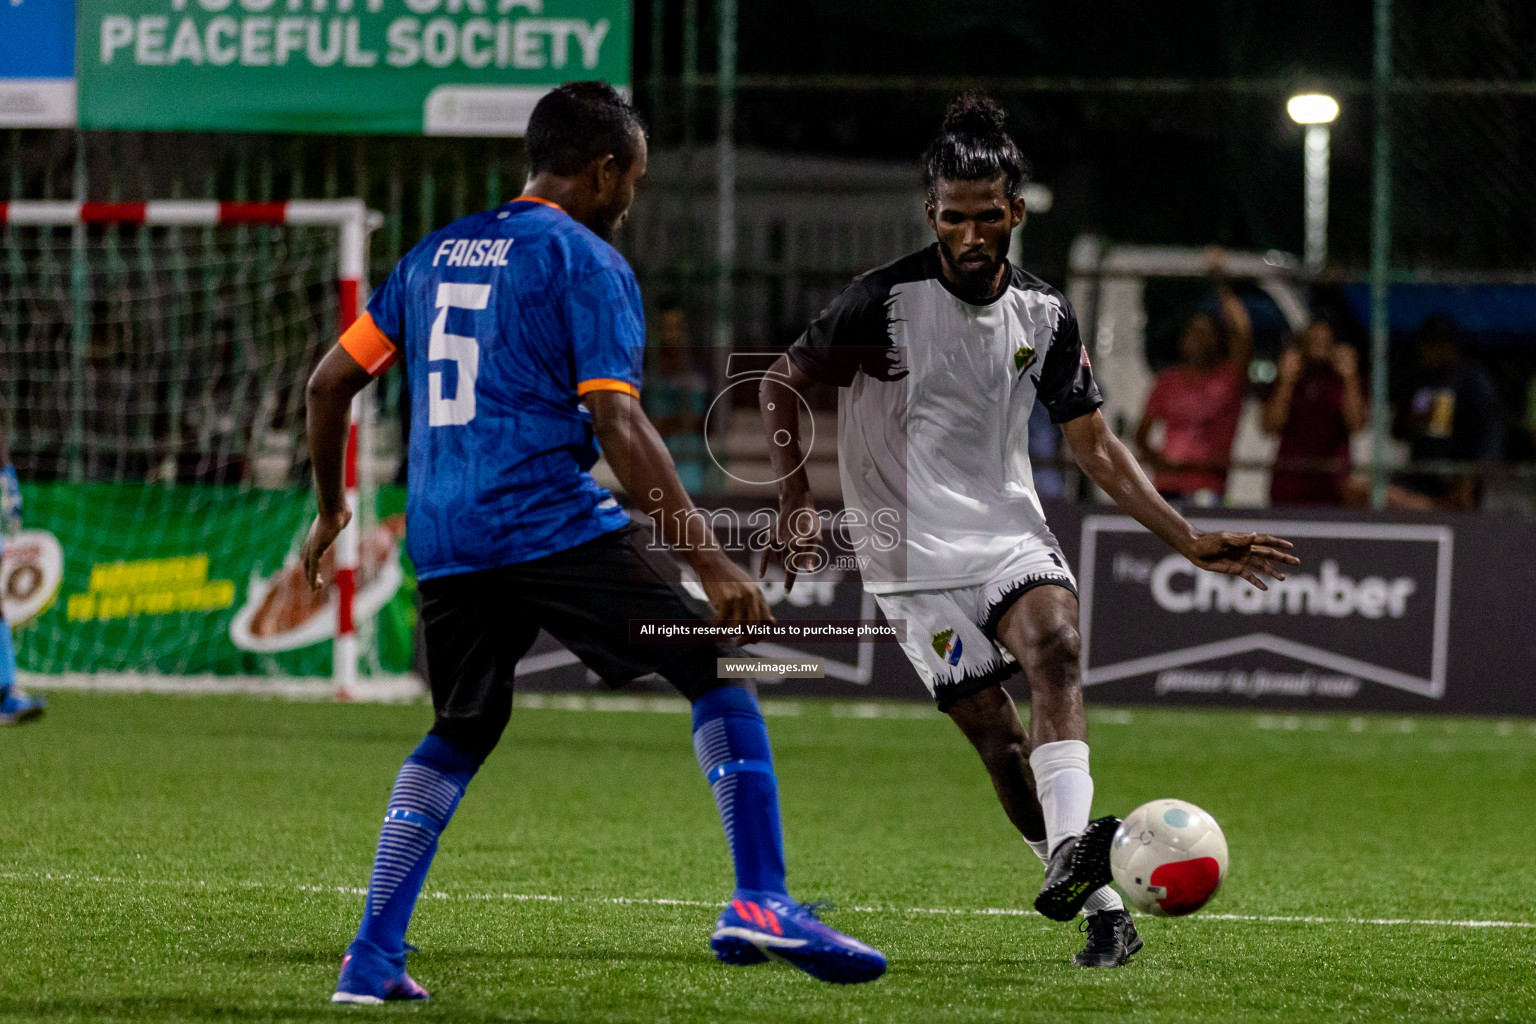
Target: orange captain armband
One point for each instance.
(370, 346)
(606, 384)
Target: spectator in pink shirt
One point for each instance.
(1198, 402)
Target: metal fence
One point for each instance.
(139, 353)
(1433, 172)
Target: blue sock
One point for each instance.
(7, 660)
(731, 741)
(428, 788)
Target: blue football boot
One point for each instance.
(369, 976)
(18, 707)
(760, 926)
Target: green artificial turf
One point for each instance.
(185, 859)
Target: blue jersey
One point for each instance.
(505, 319)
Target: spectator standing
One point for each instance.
(1316, 405)
(1454, 415)
(1200, 400)
(677, 396)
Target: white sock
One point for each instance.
(1102, 899)
(1065, 788)
(1042, 850)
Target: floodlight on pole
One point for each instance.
(1316, 111)
(1312, 108)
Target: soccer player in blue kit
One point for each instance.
(523, 332)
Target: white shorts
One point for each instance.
(951, 636)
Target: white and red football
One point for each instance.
(1169, 858)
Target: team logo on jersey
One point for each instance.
(947, 646)
(1023, 358)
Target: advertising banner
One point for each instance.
(1416, 614)
(1370, 606)
(433, 67)
(37, 64)
(1419, 614)
(1422, 615)
(189, 580)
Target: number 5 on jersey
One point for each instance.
(460, 349)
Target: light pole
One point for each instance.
(1316, 111)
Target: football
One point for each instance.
(1169, 857)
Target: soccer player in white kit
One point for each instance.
(939, 358)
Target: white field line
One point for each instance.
(519, 897)
(1280, 919)
(390, 689)
(407, 689)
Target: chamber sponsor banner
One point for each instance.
(191, 580)
(1370, 607)
(1410, 613)
(435, 67)
(37, 63)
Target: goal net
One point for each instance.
(153, 359)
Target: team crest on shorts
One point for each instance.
(1023, 358)
(947, 646)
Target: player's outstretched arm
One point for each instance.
(1110, 465)
(639, 458)
(329, 397)
(797, 530)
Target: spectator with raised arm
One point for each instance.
(1199, 401)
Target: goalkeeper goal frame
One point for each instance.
(352, 221)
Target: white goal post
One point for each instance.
(351, 220)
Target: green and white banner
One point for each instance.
(192, 580)
(433, 67)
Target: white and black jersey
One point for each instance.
(933, 416)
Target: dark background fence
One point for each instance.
(1170, 129)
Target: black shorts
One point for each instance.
(478, 625)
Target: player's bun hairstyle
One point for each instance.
(580, 122)
(974, 146)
